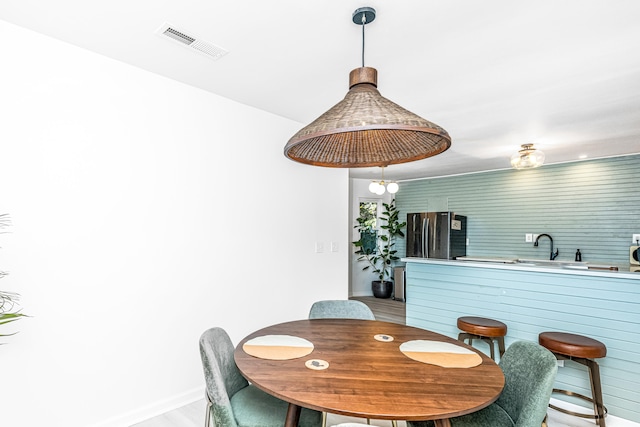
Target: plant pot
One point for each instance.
(382, 289)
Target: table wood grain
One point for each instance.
(368, 378)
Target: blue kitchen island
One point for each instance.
(601, 304)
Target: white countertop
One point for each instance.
(541, 266)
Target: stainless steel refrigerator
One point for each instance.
(440, 235)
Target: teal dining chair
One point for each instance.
(231, 400)
(529, 372)
(340, 309)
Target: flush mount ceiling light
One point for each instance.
(365, 129)
(378, 187)
(527, 158)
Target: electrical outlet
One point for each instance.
(319, 247)
(635, 238)
(535, 236)
(560, 363)
(528, 237)
(334, 246)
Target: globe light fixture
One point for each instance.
(378, 187)
(393, 187)
(527, 158)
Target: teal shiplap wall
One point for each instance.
(603, 306)
(590, 205)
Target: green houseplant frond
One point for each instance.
(9, 307)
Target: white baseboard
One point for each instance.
(362, 294)
(136, 416)
(141, 414)
(610, 419)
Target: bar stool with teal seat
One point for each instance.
(480, 328)
(582, 350)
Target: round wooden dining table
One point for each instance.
(360, 371)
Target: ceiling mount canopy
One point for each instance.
(365, 129)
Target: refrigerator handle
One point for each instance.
(425, 237)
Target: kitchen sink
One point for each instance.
(546, 263)
(552, 263)
(528, 262)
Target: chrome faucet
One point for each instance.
(553, 255)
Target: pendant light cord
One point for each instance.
(364, 24)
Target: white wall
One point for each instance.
(144, 211)
(360, 281)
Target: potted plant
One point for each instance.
(367, 244)
(378, 251)
(9, 311)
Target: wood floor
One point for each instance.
(193, 415)
(386, 310)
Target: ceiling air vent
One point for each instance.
(210, 50)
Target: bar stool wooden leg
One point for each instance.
(491, 347)
(582, 350)
(596, 391)
(481, 328)
(501, 348)
(463, 336)
(599, 410)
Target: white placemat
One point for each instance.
(447, 355)
(278, 347)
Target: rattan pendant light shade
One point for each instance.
(365, 129)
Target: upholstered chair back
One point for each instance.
(222, 377)
(529, 371)
(340, 309)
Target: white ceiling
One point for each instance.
(564, 75)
